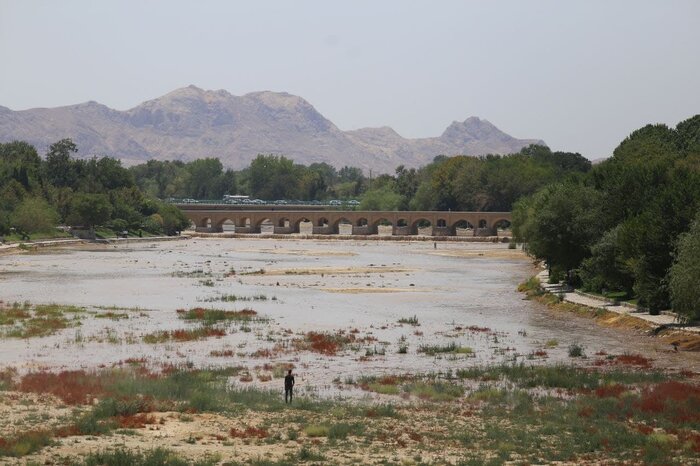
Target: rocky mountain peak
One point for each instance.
(191, 122)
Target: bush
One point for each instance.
(154, 224)
(576, 350)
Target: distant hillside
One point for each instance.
(191, 123)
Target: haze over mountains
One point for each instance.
(191, 123)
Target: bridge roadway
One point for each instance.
(210, 218)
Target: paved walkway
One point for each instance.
(595, 302)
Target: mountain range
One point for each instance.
(191, 123)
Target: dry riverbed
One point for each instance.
(403, 353)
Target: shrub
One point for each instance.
(576, 350)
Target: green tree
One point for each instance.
(560, 224)
(90, 210)
(273, 177)
(383, 198)
(33, 215)
(60, 170)
(173, 220)
(684, 275)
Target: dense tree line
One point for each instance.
(36, 194)
(620, 227)
(490, 183)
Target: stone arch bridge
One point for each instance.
(287, 220)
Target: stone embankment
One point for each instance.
(664, 319)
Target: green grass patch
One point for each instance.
(409, 320)
(451, 347)
(27, 321)
(213, 316)
(435, 391)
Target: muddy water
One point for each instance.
(321, 286)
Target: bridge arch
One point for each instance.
(420, 223)
(264, 220)
(361, 222)
(298, 221)
(501, 223)
(340, 221)
(226, 224)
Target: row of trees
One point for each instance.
(490, 183)
(36, 194)
(625, 226)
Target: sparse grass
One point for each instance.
(112, 315)
(435, 391)
(557, 376)
(181, 335)
(213, 316)
(232, 298)
(25, 443)
(531, 287)
(409, 320)
(155, 457)
(27, 321)
(452, 348)
(316, 430)
(519, 413)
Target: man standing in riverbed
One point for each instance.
(288, 386)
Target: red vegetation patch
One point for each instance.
(610, 391)
(693, 438)
(262, 353)
(249, 432)
(633, 360)
(677, 400)
(390, 380)
(644, 429)
(196, 334)
(540, 353)
(328, 343)
(321, 343)
(135, 421)
(72, 387)
(586, 411)
(221, 353)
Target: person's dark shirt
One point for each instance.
(288, 381)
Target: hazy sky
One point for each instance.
(578, 74)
